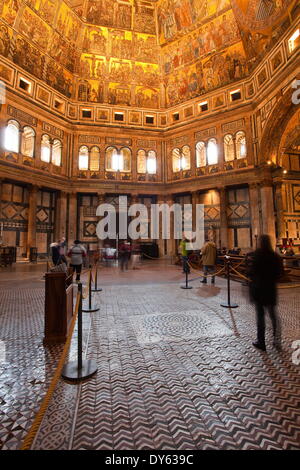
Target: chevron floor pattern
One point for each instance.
(178, 372)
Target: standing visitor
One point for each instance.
(54, 253)
(77, 252)
(209, 255)
(265, 271)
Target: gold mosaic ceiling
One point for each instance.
(149, 54)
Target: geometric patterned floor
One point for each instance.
(175, 371)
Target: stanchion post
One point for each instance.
(96, 279)
(228, 304)
(186, 270)
(76, 371)
(90, 309)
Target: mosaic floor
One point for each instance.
(175, 370)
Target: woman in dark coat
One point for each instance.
(265, 270)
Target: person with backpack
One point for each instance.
(77, 252)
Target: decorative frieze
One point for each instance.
(233, 125)
(178, 141)
(146, 143)
(53, 130)
(21, 115)
(118, 141)
(206, 133)
(89, 139)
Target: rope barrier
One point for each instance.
(150, 257)
(207, 275)
(239, 274)
(27, 443)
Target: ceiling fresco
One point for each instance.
(138, 53)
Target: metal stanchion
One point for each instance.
(186, 270)
(80, 369)
(228, 304)
(96, 279)
(90, 309)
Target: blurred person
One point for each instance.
(265, 270)
(182, 250)
(124, 254)
(209, 256)
(54, 253)
(77, 252)
(135, 254)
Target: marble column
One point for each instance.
(160, 241)
(223, 218)
(279, 211)
(61, 216)
(31, 233)
(267, 210)
(72, 218)
(101, 200)
(171, 244)
(254, 199)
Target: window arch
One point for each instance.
(229, 153)
(176, 160)
(56, 152)
(151, 162)
(45, 148)
(141, 161)
(212, 152)
(12, 136)
(95, 158)
(181, 158)
(28, 142)
(112, 160)
(125, 159)
(200, 154)
(83, 158)
(185, 158)
(240, 144)
(146, 162)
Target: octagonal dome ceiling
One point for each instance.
(148, 54)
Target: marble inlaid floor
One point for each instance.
(175, 370)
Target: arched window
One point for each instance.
(45, 148)
(212, 152)
(228, 148)
(151, 162)
(11, 136)
(83, 158)
(181, 158)
(56, 152)
(200, 154)
(125, 159)
(94, 159)
(112, 159)
(176, 160)
(28, 139)
(146, 163)
(141, 161)
(240, 144)
(185, 157)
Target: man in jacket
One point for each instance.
(77, 252)
(209, 254)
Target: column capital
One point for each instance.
(253, 185)
(266, 183)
